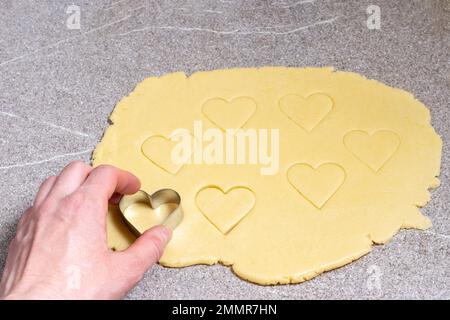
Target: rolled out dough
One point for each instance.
(356, 161)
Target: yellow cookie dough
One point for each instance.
(356, 160)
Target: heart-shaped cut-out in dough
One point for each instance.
(141, 211)
(375, 149)
(317, 185)
(225, 209)
(231, 114)
(306, 112)
(158, 149)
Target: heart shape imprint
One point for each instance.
(317, 185)
(306, 112)
(142, 211)
(375, 149)
(158, 149)
(231, 114)
(225, 209)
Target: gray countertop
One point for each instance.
(58, 86)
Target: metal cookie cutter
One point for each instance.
(163, 196)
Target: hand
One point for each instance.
(60, 250)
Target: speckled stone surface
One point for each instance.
(58, 86)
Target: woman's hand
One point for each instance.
(60, 249)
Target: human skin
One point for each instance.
(60, 249)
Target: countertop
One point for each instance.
(58, 86)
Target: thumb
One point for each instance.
(149, 247)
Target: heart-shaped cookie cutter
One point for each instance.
(158, 198)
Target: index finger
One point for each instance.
(106, 180)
